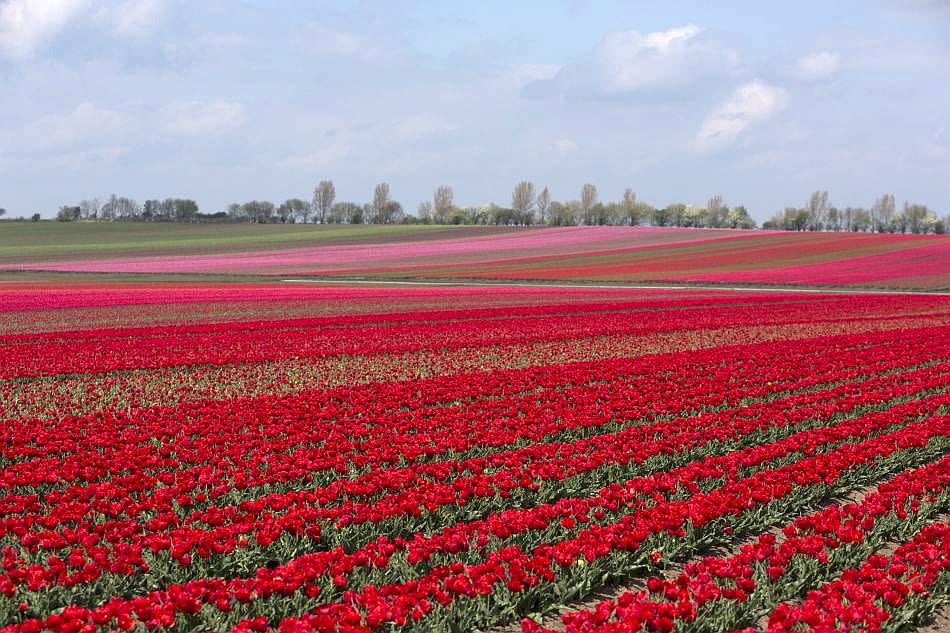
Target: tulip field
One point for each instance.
(264, 456)
(611, 254)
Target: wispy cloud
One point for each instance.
(751, 103)
(27, 25)
(86, 126)
(629, 62)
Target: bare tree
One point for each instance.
(259, 211)
(347, 212)
(89, 208)
(716, 212)
(293, 208)
(424, 212)
(302, 208)
(285, 212)
(108, 210)
(588, 200)
(442, 200)
(847, 218)
(166, 209)
(391, 213)
(522, 198)
(129, 208)
(629, 208)
(3, 212)
(323, 197)
(543, 203)
(380, 200)
(817, 210)
(629, 197)
(882, 212)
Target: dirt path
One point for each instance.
(941, 623)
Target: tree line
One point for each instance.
(122, 208)
(881, 217)
(529, 206)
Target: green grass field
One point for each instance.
(30, 241)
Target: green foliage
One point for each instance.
(34, 241)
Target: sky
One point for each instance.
(226, 100)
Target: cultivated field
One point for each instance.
(258, 455)
(612, 254)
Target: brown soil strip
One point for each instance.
(941, 623)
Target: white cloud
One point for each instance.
(751, 103)
(629, 62)
(26, 25)
(86, 124)
(196, 118)
(817, 66)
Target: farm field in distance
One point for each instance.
(602, 254)
(189, 442)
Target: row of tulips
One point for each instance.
(232, 343)
(479, 593)
(52, 397)
(625, 512)
(724, 593)
(885, 593)
(117, 545)
(503, 522)
(113, 491)
(209, 344)
(153, 441)
(551, 308)
(386, 398)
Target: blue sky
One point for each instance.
(226, 101)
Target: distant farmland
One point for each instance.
(564, 254)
